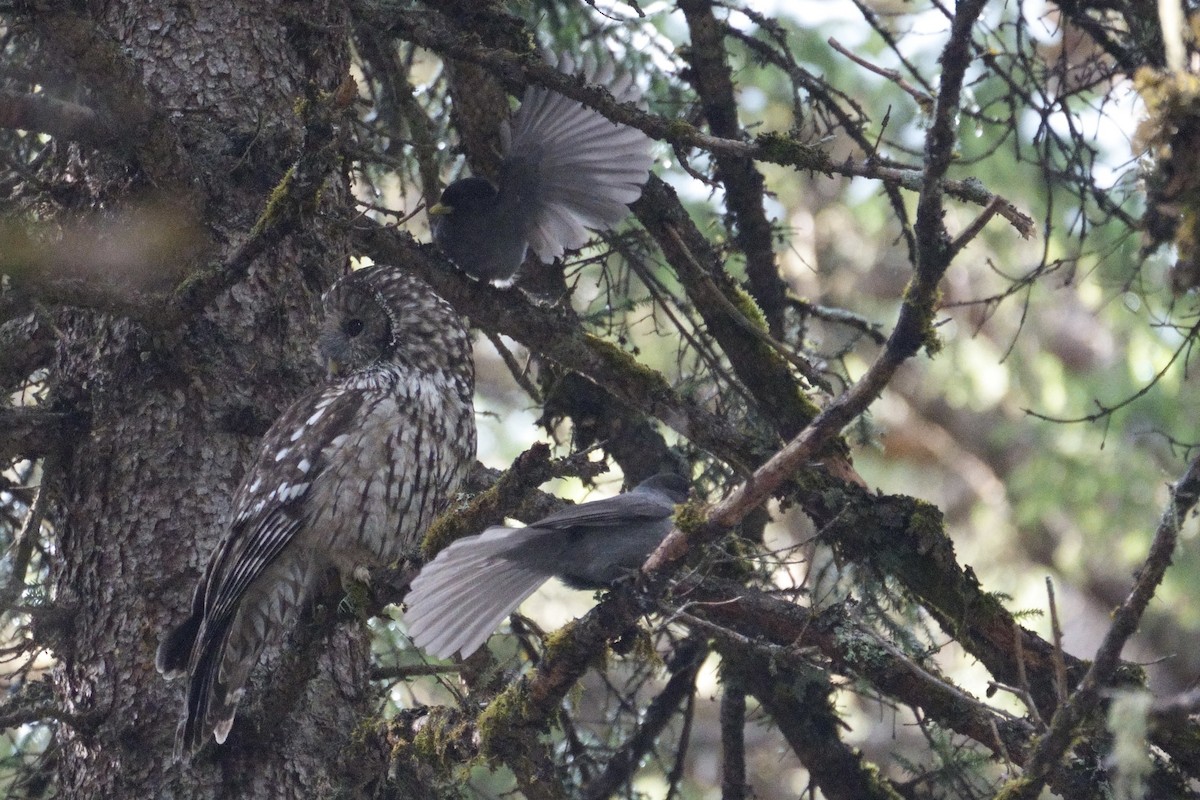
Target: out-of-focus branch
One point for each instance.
(121, 260)
(59, 118)
(1050, 749)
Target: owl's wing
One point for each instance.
(268, 507)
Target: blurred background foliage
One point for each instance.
(1047, 429)
(1058, 411)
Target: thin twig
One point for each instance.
(403, 672)
(1047, 755)
(923, 99)
(1060, 664)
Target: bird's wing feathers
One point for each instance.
(568, 168)
(464, 594)
(620, 510)
(267, 517)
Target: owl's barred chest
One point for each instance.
(406, 454)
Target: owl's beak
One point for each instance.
(440, 210)
(332, 367)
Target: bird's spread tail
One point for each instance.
(467, 591)
(583, 168)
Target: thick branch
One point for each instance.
(744, 184)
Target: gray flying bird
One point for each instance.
(566, 169)
(464, 594)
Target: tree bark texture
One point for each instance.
(176, 413)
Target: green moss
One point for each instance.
(499, 723)
(692, 516)
(875, 777)
(678, 129)
(744, 302)
(925, 520)
(275, 203)
(861, 651)
(780, 148)
(559, 639)
(453, 523)
(618, 358)
(436, 743)
(1017, 787)
(921, 301)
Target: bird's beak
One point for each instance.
(332, 367)
(439, 210)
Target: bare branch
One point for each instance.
(1050, 748)
(685, 666)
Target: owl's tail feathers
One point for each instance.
(175, 649)
(196, 648)
(464, 594)
(211, 702)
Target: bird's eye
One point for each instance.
(354, 327)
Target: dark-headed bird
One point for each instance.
(566, 169)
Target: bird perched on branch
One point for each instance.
(350, 476)
(461, 596)
(566, 168)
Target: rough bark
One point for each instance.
(175, 414)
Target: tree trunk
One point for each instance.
(176, 412)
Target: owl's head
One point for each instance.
(384, 315)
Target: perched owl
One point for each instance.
(349, 476)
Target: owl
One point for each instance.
(349, 476)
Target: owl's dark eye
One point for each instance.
(354, 327)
